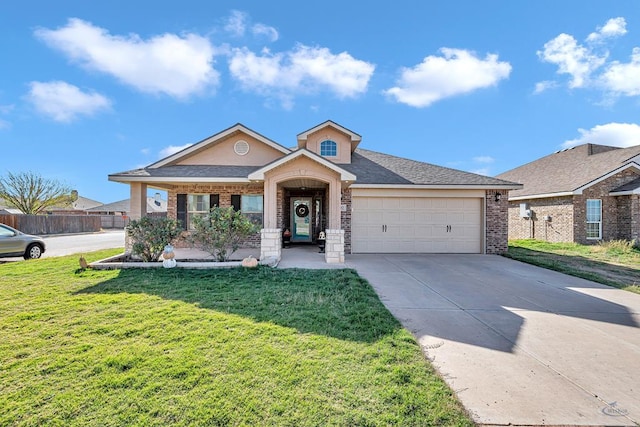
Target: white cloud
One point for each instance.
(544, 86)
(587, 63)
(302, 70)
(614, 27)
(178, 66)
(4, 124)
(172, 149)
(624, 79)
(456, 72)
(613, 134)
(145, 151)
(482, 171)
(484, 159)
(571, 58)
(236, 23)
(64, 102)
(264, 30)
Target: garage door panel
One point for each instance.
(416, 225)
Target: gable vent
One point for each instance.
(241, 147)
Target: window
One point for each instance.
(190, 205)
(594, 219)
(328, 148)
(252, 207)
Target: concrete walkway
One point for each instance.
(520, 345)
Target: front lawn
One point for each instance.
(614, 263)
(231, 347)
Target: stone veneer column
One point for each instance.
(334, 246)
(271, 243)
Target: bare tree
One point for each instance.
(32, 194)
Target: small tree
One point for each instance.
(151, 235)
(221, 232)
(32, 194)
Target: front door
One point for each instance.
(301, 219)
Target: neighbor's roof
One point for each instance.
(566, 171)
(372, 167)
(153, 205)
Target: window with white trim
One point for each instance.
(594, 219)
(328, 148)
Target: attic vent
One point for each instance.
(241, 147)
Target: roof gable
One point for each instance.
(354, 137)
(238, 130)
(345, 175)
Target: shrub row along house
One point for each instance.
(583, 194)
(363, 201)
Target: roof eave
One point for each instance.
(258, 175)
(442, 186)
(542, 196)
(179, 179)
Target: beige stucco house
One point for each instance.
(364, 201)
(584, 194)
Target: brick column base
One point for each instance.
(334, 246)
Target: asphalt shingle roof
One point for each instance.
(372, 167)
(191, 171)
(630, 186)
(568, 170)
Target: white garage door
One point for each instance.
(416, 225)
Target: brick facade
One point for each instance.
(612, 227)
(568, 217)
(224, 191)
(496, 222)
(551, 219)
(345, 218)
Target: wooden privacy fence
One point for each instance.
(53, 224)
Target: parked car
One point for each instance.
(14, 243)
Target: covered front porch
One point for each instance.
(303, 194)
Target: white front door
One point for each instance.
(416, 225)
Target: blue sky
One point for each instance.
(93, 88)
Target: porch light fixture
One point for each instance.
(497, 197)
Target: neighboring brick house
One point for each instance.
(363, 201)
(583, 194)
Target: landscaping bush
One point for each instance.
(150, 235)
(221, 232)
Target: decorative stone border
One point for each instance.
(111, 264)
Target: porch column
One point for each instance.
(334, 206)
(334, 246)
(270, 235)
(635, 218)
(138, 205)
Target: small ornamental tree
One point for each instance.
(151, 235)
(221, 231)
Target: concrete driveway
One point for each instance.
(520, 345)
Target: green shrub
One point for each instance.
(221, 232)
(150, 235)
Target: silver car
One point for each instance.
(14, 243)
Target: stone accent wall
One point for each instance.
(612, 228)
(334, 246)
(345, 219)
(225, 192)
(271, 246)
(497, 227)
(558, 229)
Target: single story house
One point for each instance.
(363, 201)
(582, 194)
(155, 205)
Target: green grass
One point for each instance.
(615, 263)
(208, 348)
